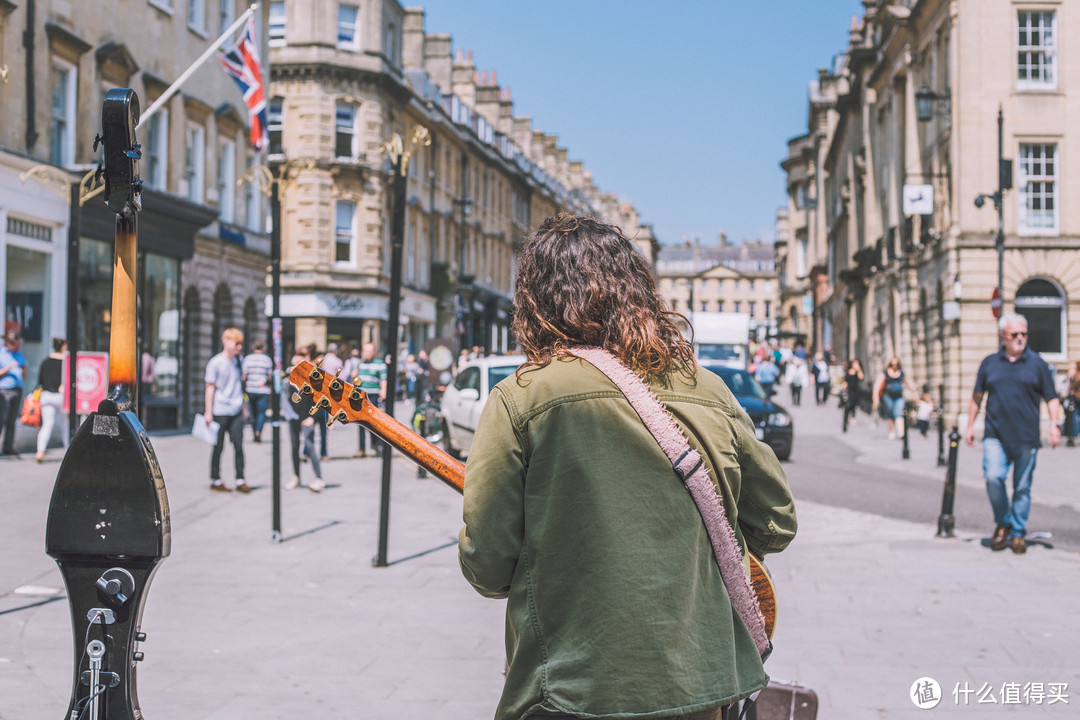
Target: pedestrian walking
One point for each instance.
(224, 403)
(1014, 380)
(822, 379)
(12, 382)
(796, 377)
(370, 377)
(889, 393)
(851, 390)
(51, 379)
(767, 373)
(923, 413)
(616, 606)
(258, 370)
(332, 365)
(301, 437)
(351, 365)
(1071, 403)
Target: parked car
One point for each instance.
(772, 423)
(465, 398)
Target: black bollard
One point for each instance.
(946, 521)
(941, 428)
(906, 453)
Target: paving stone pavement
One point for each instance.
(242, 627)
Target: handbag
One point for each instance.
(690, 467)
(31, 409)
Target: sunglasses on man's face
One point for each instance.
(1015, 335)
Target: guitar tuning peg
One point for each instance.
(295, 397)
(342, 417)
(355, 395)
(330, 421)
(306, 389)
(316, 374)
(335, 384)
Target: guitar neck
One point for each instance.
(122, 333)
(433, 459)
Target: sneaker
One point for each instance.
(1001, 538)
(316, 485)
(892, 436)
(219, 487)
(293, 483)
(242, 487)
(257, 438)
(1017, 544)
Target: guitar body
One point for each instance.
(346, 403)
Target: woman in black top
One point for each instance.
(853, 379)
(50, 378)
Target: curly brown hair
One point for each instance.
(580, 281)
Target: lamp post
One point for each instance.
(263, 178)
(1004, 183)
(399, 168)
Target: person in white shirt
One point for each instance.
(225, 404)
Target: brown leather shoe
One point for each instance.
(219, 487)
(1018, 544)
(1001, 538)
(243, 487)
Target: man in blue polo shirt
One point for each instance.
(1017, 379)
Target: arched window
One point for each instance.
(1043, 304)
(222, 318)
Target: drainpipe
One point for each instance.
(28, 43)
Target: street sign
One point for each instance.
(995, 303)
(918, 199)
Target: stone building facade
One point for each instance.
(900, 257)
(722, 278)
(203, 249)
(345, 78)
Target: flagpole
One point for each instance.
(195, 65)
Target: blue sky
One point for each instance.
(682, 107)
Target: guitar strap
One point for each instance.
(690, 467)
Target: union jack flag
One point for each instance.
(241, 61)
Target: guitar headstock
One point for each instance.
(119, 117)
(343, 401)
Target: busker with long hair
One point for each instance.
(573, 512)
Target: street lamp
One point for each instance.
(1005, 173)
(263, 178)
(924, 103)
(398, 157)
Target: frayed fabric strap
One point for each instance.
(691, 468)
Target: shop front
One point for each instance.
(167, 228)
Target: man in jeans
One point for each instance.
(225, 404)
(1017, 379)
(258, 378)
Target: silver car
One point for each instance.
(463, 401)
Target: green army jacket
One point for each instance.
(615, 605)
